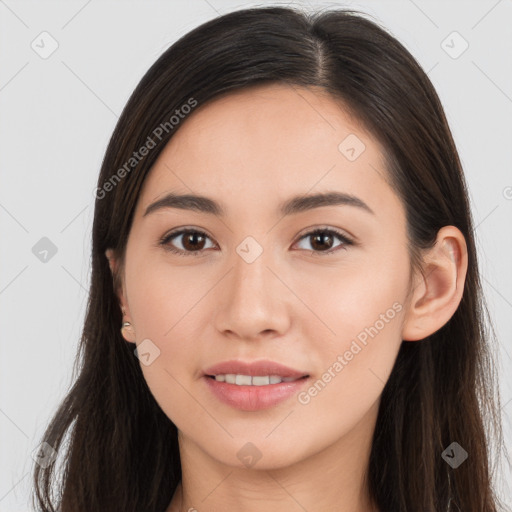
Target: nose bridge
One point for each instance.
(252, 296)
(251, 277)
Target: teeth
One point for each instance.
(243, 380)
(247, 380)
(263, 381)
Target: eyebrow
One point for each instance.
(292, 206)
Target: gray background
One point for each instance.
(57, 114)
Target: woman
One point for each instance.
(285, 308)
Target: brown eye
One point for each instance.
(322, 240)
(192, 242)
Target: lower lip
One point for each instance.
(254, 398)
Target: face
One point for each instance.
(256, 283)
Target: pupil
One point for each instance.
(192, 236)
(322, 237)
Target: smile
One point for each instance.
(248, 380)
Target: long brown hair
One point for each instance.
(122, 450)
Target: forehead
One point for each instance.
(265, 142)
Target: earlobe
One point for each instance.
(128, 332)
(439, 290)
(127, 329)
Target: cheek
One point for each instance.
(341, 302)
(353, 330)
(164, 304)
(162, 297)
(355, 363)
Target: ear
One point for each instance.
(128, 332)
(437, 294)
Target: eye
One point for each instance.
(322, 240)
(192, 243)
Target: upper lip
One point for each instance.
(255, 368)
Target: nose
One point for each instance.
(253, 302)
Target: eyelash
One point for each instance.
(164, 241)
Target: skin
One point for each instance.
(249, 151)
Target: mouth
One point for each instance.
(253, 380)
(254, 386)
(243, 373)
